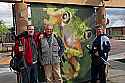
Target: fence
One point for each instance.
(119, 37)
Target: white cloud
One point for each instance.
(6, 13)
(116, 17)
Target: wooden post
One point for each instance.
(101, 16)
(21, 17)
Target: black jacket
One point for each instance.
(102, 46)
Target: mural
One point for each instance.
(75, 25)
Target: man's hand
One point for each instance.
(96, 54)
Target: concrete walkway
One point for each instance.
(116, 73)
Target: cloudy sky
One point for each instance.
(6, 13)
(116, 16)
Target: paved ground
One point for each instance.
(6, 76)
(118, 46)
(116, 72)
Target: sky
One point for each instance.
(116, 16)
(6, 13)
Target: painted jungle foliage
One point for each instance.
(75, 25)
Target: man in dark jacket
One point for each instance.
(100, 48)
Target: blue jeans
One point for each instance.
(29, 75)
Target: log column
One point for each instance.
(21, 17)
(101, 17)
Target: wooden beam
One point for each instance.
(75, 2)
(110, 3)
(115, 3)
(10, 1)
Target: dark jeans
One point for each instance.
(29, 75)
(98, 73)
(41, 73)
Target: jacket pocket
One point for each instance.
(55, 48)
